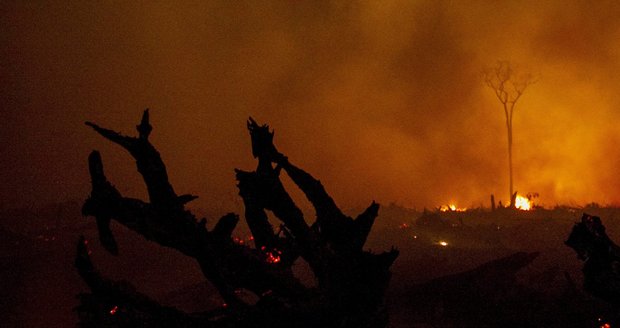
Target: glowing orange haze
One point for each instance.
(380, 100)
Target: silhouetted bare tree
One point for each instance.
(508, 87)
(351, 281)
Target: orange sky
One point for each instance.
(380, 100)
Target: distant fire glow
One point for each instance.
(442, 243)
(523, 203)
(452, 208)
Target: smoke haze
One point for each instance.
(380, 100)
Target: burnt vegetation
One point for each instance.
(351, 280)
(473, 268)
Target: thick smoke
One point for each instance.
(381, 100)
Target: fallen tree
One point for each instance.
(486, 296)
(351, 281)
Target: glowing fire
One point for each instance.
(273, 256)
(87, 248)
(238, 241)
(523, 203)
(114, 310)
(452, 208)
(604, 325)
(442, 243)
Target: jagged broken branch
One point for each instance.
(352, 281)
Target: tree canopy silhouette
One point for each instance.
(508, 86)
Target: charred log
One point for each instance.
(333, 249)
(118, 304)
(468, 295)
(352, 281)
(601, 257)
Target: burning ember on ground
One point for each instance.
(603, 325)
(114, 310)
(241, 241)
(273, 256)
(238, 241)
(442, 243)
(523, 203)
(87, 248)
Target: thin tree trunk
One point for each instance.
(512, 205)
(509, 130)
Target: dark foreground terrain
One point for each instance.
(456, 269)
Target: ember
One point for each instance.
(273, 257)
(238, 241)
(114, 310)
(86, 245)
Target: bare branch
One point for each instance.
(352, 281)
(149, 163)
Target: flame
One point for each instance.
(523, 203)
(442, 243)
(452, 208)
